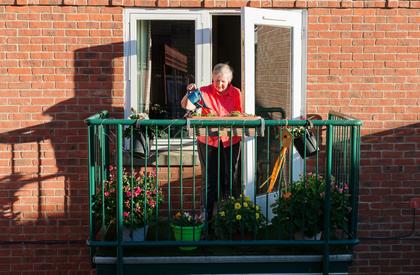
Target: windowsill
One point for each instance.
(174, 159)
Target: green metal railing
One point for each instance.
(171, 168)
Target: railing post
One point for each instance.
(120, 266)
(91, 171)
(354, 177)
(327, 202)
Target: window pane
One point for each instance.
(166, 64)
(273, 63)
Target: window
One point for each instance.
(166, 49)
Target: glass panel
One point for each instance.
(273, 63)
(143, 65)
(165, 65)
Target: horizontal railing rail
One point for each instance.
(240, 183)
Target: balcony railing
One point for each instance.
(286, 203)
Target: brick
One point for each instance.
(363, 61)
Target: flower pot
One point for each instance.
(141, 144)
(138, 234)
(246, 236)
(301, 236)
(187, 233)
(306, 143)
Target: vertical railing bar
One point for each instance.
(181, 179)
(353, 180)
(339, 144)
(327, 203)
(193, 190)
(98, 167)
(290, 166)
(92, 187)
(169, 182)
(146, 157)
(206, 182)
(281, 129)
(242, 167)
(268, 175)
(107, 155)
(157, 184)
(317, 152)
(218, 162)
(346, 155)
(230, 161)
(120, 266)
(132, 177)
(254, 218)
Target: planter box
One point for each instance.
(223, 131)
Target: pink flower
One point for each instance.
(137, 191)
(152, 203)
(128, 194)
(106, 194)
(126, 214)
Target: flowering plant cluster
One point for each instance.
(188, 219)
(141, 197)
(297, 131)
(236, 216)
(300, 207)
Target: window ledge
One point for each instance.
(189, 158)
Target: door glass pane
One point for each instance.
(273, 63)
(165, 65)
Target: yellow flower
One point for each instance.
(247, 198)
(257, 207)
(237, 206)
(245, 204)
(238, 217)
(222, 213)
(257, 215)
(178, 215)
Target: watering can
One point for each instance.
(194, 98)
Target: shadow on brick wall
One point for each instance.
(47, 183)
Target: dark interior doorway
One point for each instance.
(227, 43)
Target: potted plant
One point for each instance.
(299, 208)
(140, 137)
(304, 140)
(187, 226)
(238, 218)
(141, 196)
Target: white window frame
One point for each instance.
(296, 21)
(203, 51)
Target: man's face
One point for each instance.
(220, 82)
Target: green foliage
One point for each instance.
(300, 207)
(187, 219)
(236, 216)
(140, 198)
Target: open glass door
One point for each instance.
(273, 65)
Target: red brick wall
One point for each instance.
(62, 60)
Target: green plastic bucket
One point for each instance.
(187, 233)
